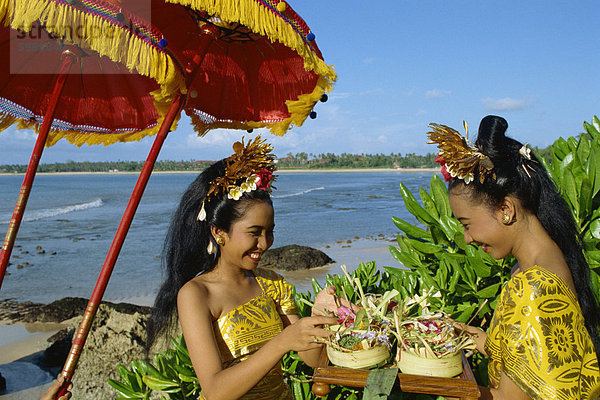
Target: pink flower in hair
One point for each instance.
(445, 173)
(265, 176)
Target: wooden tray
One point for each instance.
(462, 387)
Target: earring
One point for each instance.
(505, 219)
(211, 249)
(220, 241)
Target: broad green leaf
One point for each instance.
(439, 193)
(560, 148)
(569, 191)
(159, 384)
(464, 312)
(424, 247)
(315, 286)
(410, 229)
(441, 276)
(592, 129)
(583, 148)
(187, 378)
(453, 281)
(428, 203)
(459, 240)
(593, 169)
(567, 161)
(124, 390)
(585, 198)
(594, 255)
(572, 143)
(404, 258)
(450, 226)
(413, 206)
(489, 291)
(426, 278)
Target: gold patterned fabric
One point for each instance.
(246, 328)
(538, 339)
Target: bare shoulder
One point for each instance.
(194, 293)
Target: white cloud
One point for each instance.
(376, 91)
(505, 104)
(437, 93)
(368, 60)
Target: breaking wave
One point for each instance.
(52, 212)
(283, 196)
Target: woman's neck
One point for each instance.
(533, 245)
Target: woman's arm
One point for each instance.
(216, 382)
(507, 389)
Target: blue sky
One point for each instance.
(403, 64)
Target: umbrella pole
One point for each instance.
(117, 244)
(36, 155)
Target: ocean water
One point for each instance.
(70, 222)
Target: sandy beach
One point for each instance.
(280, 171)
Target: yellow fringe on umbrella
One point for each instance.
(263, 21)
(298, 109)
(114, 43)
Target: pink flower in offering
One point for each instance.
(345, 314)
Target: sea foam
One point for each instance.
(52, 212)
(283, 196)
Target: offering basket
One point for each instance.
(463, 387)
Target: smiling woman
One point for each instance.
(238, 320)
(543, 341)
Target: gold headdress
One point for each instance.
(254, 162)
(458, 155)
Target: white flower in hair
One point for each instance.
(244, 187)
(252, 181)
(235, 193)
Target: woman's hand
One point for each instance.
(52, 391)
(478, 335)
(305, 333)
(328, 301)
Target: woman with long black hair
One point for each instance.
(238, 320)
(543, 340)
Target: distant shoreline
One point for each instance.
(280, 171)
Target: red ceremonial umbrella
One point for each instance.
(250, 63)
(57, 82)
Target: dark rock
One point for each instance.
(56, 354)
(2, 383)
(58, 311)
(294, 257)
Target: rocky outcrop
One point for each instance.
(294, 257)
(116, 337)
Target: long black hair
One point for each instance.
(527, 180)
(185, 252)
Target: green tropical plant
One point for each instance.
(437, 256)
(171, 374)
(575, 167)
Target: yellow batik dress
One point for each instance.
(538, 339)
(246, 328)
